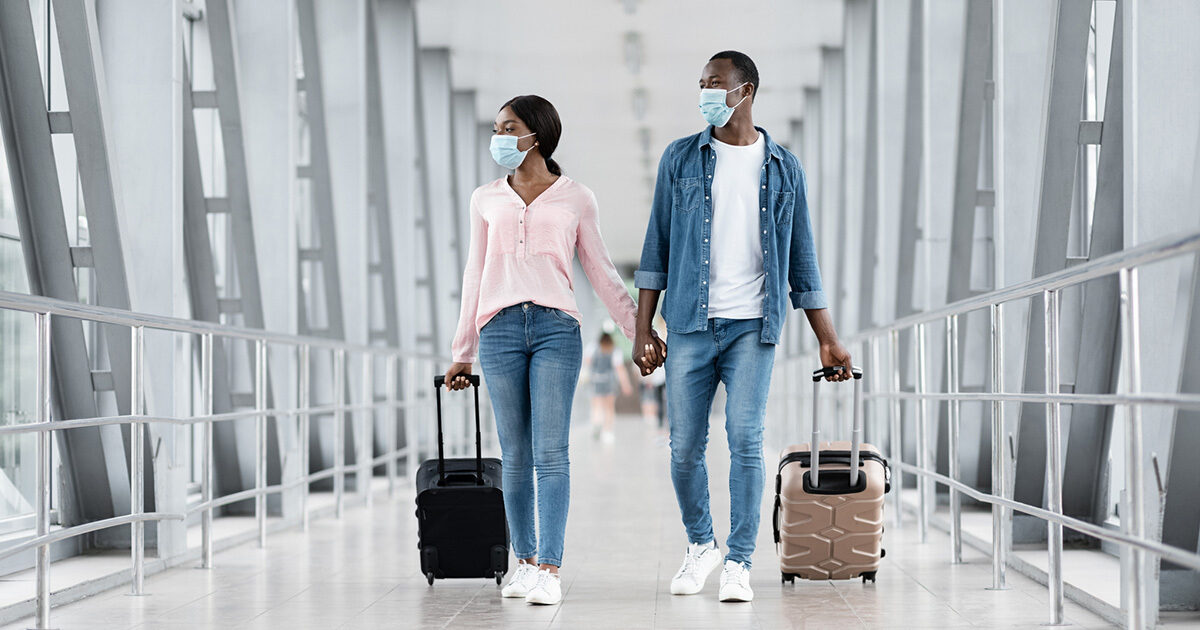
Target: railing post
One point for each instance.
(876, 387)
(206, 446)
(42, 555)
(895, 440)
(999, 464)
(1133, 520)
(1054, 533)
(393, 421)
(366, 450)
(137, 459)
(953, 413)
(923, 502)
(305, 397)
(260, 439)
(339, 430)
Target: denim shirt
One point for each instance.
(676, 250)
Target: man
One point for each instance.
(729, 232)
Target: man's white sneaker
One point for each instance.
(546, 590)
(698, 562)
(521, 581)
(735, 583)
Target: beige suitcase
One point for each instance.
(828, 518)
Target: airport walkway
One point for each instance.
(624, 543)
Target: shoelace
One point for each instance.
(689, 561)
(732, 572)
(543, 578)
(523, 571)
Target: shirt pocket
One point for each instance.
(687, 194)
(550, 230)
(781, 207)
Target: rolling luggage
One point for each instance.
(828, 515)
(461, 529)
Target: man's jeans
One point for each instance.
(729, 351)
(531, 356)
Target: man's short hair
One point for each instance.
(747, 71)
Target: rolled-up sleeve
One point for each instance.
(656, 248)
(804, 275)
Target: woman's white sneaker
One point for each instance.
(521, 581)
(546, 590)
(698, 562)
(735, 583)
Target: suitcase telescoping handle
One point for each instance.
(438, 382)
(855, 431)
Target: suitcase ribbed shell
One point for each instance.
(830, 536)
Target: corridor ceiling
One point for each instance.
(601, 61)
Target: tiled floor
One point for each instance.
(624, 543)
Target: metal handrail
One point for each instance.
(1133, 529)
(100, 421)
(1136, 256)
(106, 315)
(1174, 554)
(43, 309)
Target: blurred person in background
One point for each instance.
(605, 371)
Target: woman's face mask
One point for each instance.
(504, 150)
(713, 107)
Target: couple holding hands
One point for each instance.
(729, 241)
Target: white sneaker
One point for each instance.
(522, 580)
(698, 562)
(735, 583)
(546, 590)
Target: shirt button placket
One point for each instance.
(521, 231)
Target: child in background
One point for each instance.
(605, 371)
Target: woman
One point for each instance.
(519, 315)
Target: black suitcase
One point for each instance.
(461, 529)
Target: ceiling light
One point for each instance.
(633, 52)
(641, 103)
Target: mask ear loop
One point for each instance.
(535, 143)
(738, 88)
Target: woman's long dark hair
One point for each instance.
(540, 116)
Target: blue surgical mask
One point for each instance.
(713, 107)
(504, 150)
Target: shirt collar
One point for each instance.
(706, 139)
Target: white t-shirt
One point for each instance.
(736, 288)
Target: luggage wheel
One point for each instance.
(788, 578)
(429, 576)
(868, 576)
(499, 577)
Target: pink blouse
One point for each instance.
(523, 254)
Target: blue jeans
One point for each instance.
(729, 351)
(531, 356)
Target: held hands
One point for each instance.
(456, 376)
(649, 351)
(835, 354)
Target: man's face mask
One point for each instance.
(713, 107)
